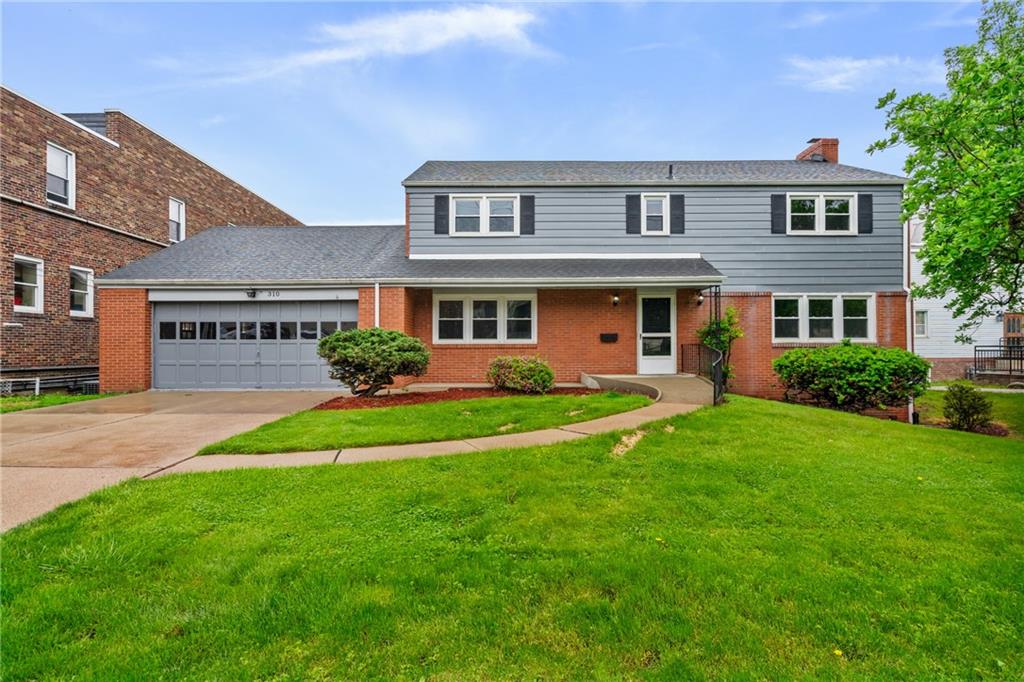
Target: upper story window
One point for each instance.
(80, 292)
(176, 220)
(484, 215)
(823, 317)
(654, 216)
(60, 175)
(28, 285)
(833, 214)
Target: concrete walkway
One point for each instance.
(53, 455)
(615, 422)
(983, 389)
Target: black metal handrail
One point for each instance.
(705, 361)
(1001, 359)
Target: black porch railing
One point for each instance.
(707, 362)
(1001, 359)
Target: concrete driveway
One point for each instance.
(57, 454)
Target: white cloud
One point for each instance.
(213, 121)
(397, 34)
(809, 19)
(951, 17)
(844, 74)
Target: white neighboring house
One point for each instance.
(935, 328)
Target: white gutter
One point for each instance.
(376, 304)
(561, 282)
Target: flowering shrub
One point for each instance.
(525, 374)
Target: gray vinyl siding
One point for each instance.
(728, 226)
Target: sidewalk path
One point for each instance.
(1018, 391)
(615, 422)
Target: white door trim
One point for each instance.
(663, 364)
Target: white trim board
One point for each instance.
(262, 294)
(553, 256)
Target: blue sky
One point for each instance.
(324, 108)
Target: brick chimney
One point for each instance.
(821, 149)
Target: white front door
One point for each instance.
(656, 334)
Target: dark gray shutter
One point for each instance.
(632, 214)
(526, 213)
(440, 214)
(865, 214)
(778, 214)
(677, 213)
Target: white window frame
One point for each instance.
(798, 318)
(923, 334)
(485, 215)
(89, 292)
(40, 285)
(71, 176)
(838, 333)
(467, 318)
(181, 228)
(819, 213)
(665, 227)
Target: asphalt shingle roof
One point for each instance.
(295, 254)
(535, 173)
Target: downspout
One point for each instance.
(376, 304)
(908, 238)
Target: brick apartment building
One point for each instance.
(84, 194)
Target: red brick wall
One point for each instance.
(949, 369)
(124, 187)
(125, 344)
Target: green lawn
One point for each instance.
(16, 403)
(1007, 409)
(758, 540)
(336, 429)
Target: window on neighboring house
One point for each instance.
(60, 175)
(920, 323)
(491, 318)
(176, 220)
(28, 285)
(787, 318)
(80, 292)
(821, 214)
(654, 209)
(476, 215)
(823, 317)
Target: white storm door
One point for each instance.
(656, 334)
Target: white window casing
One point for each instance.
(175, 220)
(81, 292)
(477, 317)
(649, 219)
(483, 215)
(847, 321)
(826, 205)
(60, 175)
(29, 284)
(921, 323)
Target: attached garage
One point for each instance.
(268, 344)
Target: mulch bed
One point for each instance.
(993, 429)
(418, 398)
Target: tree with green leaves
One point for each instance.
(966, 170)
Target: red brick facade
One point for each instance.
(125, 187)
(125, 344)
(950, 369)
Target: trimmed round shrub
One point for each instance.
(965, 407)
(367, 360)
(524, 374)
(852, 377)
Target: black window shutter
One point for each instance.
(677, 211)
(440, 214)
(526, 213)
(632, 214)
(778, 214)
(865, 213)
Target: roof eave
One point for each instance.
(652, 183)
(548, 282)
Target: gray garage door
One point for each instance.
(245, 345)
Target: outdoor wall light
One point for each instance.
(700, 298)
(251, 293)
(615, 299)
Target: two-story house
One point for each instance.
(81, 195)
(597, 267)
